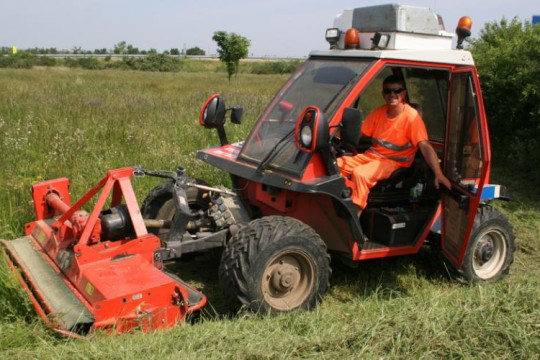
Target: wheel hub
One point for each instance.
(284, 277)
(288, 280)
(490, 254)
(485, 252)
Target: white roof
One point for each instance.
(457, 57)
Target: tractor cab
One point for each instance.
(287, 164)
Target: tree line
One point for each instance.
(121, 48)
(231, 49)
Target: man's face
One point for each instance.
(394, 93)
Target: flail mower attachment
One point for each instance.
(82, 275)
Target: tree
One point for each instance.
(231, 48)
(506, 56)
(195, 51)
(120, 48)
(175, 51)
(132, 50)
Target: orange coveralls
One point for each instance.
(394, 144)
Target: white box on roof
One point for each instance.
(409, 27)
(396, 18)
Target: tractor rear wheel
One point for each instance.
(275, 264)
(490, 251)
(159, 203)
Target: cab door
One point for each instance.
(466, 162)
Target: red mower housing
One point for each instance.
(80, 281)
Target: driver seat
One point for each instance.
(396, 189)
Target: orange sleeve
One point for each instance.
(417, 130)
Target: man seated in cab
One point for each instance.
(397, 132)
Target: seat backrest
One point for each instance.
(350, 127)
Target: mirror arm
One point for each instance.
(222, 135)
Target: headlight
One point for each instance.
(306, 136)
(311, 130)
(332, 36)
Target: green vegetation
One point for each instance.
(195, 51)
(231, 49)
(8, 50)
(25, 61)
(507, 56)
(78, 123)
(152, 62)
(274, 67)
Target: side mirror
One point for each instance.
(311, 131)
(213, 112)
(351, 125)
(236, 114)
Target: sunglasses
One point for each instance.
(395, 91)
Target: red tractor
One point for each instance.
(290, 210)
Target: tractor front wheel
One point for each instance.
(490, 251)
(275, 264)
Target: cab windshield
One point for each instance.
(323, 83)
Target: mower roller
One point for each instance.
(81, 276)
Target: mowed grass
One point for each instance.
(58, 122)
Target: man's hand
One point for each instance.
(441, 179)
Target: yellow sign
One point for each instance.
(89, 288)
(14, 50)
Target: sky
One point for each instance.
(282, 28)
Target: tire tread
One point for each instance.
(242, 250)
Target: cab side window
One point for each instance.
(427, 90)
(465, 151)
(371, 98)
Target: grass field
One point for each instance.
(75, 123)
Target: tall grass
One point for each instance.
(76, 123)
